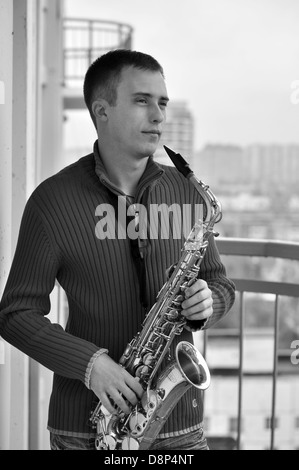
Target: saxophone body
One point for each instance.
(143, 356)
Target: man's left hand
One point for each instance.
(198, 303)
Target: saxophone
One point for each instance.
(144, 354)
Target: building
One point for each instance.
(221, 166)
(259, 169)
(258, 186)
(178, 133)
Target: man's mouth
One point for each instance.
(152, 131)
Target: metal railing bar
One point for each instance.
(241, 360)
(87, 20)
(259, 248)
(274, 381)
(267, 287)
(93, 27)
(88, 31)
(253, 247)
(83, 50)
(204, 353)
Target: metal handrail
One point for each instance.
(87, 39)
(255, 247)
(260, 248)
(102, 22)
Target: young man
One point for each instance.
(109, 288)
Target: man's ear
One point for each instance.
(99, 109)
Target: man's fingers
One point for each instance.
(203, 297)
(130, 395)
(198, 286)
(123, 398)
(203, 315)
(107, 403)
(120, 402)
(198, 307)
(114, 385)
(134, 384)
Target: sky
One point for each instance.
(234, 62)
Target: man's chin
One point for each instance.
(149, 150)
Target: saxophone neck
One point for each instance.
(213, 206)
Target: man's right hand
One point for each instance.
(109, 381)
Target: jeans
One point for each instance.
(194, 440)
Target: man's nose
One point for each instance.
(157, 114)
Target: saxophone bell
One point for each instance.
(187, 369)
(192, 365)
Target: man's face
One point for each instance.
(135, 123)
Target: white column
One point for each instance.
(23, 159)
(17, 180)
(6, 37)
(49, 123)
(30, 145)
(49, 154)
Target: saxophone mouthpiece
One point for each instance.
(180, 163)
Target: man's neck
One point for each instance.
(124, 173)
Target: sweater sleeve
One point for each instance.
(213, 271)
(26, 302)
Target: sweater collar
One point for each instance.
(152, 173)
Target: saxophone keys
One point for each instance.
(127, 353)
(151, 406)
(137, 423)
(149, 402)
(172, 315)
(192, 281)
(105, 442)
(183, 287)
(147, 359)
(129, 443)
(142, 371)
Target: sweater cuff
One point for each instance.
(90, 365)
(196, 325)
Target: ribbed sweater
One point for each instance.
(58, 243)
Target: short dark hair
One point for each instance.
(104, 74)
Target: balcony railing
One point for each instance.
(86, 39)
(229, 248)
(260, 249)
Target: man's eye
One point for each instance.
(141, 100)
(163, 104)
